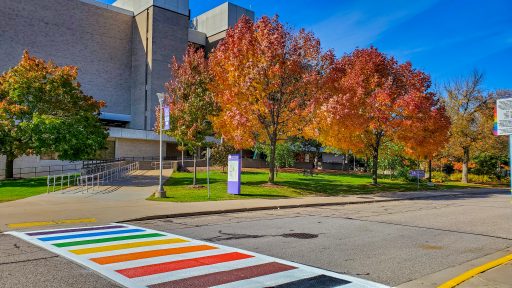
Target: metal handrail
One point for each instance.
(106, 176)
(91, 180)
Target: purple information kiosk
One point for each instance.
(234, 170)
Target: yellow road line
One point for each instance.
(475, 271)
(48, 223)
(127, 246)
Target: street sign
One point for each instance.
(417, 173)
(234, 172)
(503, 117)
(167, 118)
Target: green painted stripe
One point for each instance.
(104, 240)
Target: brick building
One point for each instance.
(123, 53)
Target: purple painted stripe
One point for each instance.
(75, 230)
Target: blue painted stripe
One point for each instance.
(84, 235)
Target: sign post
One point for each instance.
(418, 174)
(503, 125)
(234, 172)
(208, 170)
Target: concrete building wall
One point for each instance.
(33, 166)
(72, 32)
(220, 18)
(169, 36)
(141, 44)
(137, 148)
(137, 6)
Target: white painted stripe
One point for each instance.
(116, 242)
(162, 259)
(107, 270)
(77, 232)
(133, 250)
(80, 260)
(271, 280)
(197, 271)
(99, 237)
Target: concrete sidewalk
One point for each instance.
(498, 277)
(126, 201)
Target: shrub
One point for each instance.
(481, 178)
(472, 178)
(457, 176)
(439, 177)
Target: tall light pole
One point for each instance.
(161, 96)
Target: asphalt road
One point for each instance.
(391, 243)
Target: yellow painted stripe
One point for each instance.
(49, 223)
(127, 246)
(475, 271)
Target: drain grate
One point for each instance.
(300, 235)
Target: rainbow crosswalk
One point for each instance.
(141, 257)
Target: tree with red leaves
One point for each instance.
(372, 99)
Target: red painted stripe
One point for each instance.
(181, 264)
(224, 277)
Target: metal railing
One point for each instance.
(89, 181)
(92, 180)
(34, 172)
(51, 180)
(98, 168)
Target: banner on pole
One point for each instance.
(167, 118)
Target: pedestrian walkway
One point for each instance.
(139, 257)
(125, 200)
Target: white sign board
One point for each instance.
(233, 170)
(503, 117)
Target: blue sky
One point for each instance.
(445, 38)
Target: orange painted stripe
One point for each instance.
(150, 254)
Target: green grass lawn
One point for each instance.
(11, 190)
(290, 185)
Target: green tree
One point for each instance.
(392, 158)
(191, 103)
(220, 154)
(469, 110)
(284, 153)
(43, 110)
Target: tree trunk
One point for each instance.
(195, 168)
(430, 170)
(375, 164)
(272, 163)
(9, 168)
(465, 162)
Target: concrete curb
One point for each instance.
(457, 192)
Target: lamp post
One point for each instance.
(161, 191)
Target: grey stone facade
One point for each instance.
(71, 32)
(122, 50)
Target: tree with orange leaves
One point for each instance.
(373, 99)
(266, 81)
(43, 110)
(190, 101)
